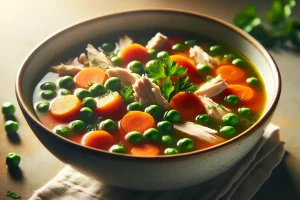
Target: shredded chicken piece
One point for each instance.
(124, 42)
(212, 88)
(158, 41)
(203, 133)
(202, 57)
(147, 93)
(213, 109)
(98, 57)
(82, 58)
(66, 70)
(125, 75)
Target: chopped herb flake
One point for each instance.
(13, 195)
(127, 94)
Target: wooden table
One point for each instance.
(26, 23)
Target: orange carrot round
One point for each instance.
(231, 73)
(145, 150)
(187, 104)
(109, 104)
(90, 75)
(242, 92)
(65, 108)
(134, 52)
(137, 121)
(185, 62)
(99, 140)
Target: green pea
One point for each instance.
(134, 137)
(48, 94)
(82, 93)
(48, 86)
(252, 81)
(108, 47)
(117, 149)
(78, 126)
(135, 106)
(203, 68)
(190, 43)
(178, 47)
(238, 62)
(43, 107)
(117, 61)
(13, 160)
(66, 82)
(170, 151)
(113, 83)
(86, 114)
(108, 125)
(89, 102)
(136, 67)
(215, 50)
(165, 127)
(152, 53)
(66, 92)
(97, 89)
(63, 131)
(229, 57)
(152, 135)
(230, 119)
(172, 116)
(166, 140)
(162, 54)
(244, 111)
(228, 131)
(154, 111)
(151, 63)
(232, 99)
(8, 109)
(185, 144)
(203, 119)
(11, 126)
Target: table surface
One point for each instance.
(26, 23)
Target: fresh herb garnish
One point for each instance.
(127, 94)
(93, 126)
(211, 107)
(221, 106)
(13, 195)
(277, 30)
(166, 68)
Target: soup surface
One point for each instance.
(161, 95)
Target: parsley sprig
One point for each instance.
(276, 30)
(165, 69)
(127, 94)
(12, 195)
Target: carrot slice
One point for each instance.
(90, 75)
(65, 108)
(187, 104)
(185, 62)
(243, 92)
(134, 52)
(145, 150)
(99, 140)
(231, 73)
(137, 121)
(109, 104)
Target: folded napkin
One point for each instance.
(240, 182)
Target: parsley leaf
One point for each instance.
(127, 94)
(167, 88)
(156, 70)
(183, 85)
(211, 107)
(13, 195)
(172, 68)
(277, 30)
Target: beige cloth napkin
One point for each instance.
(240, 182)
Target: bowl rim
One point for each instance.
(27, 111)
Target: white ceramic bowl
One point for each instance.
(141, 173)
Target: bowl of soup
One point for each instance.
(163, 102)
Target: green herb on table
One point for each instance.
(277, 30)
(13, 195)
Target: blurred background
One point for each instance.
(24, 24)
